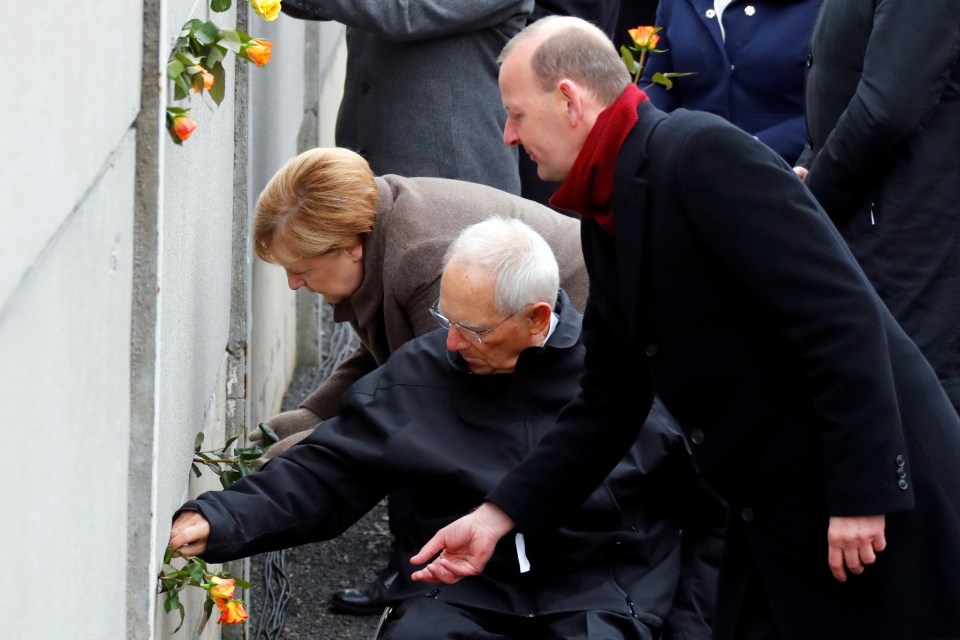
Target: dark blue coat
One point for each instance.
(754, 78)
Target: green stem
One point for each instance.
(643, 60)
(223, 460)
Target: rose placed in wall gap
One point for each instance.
(195, 64)
(230, 464)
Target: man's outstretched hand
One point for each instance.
(464, 546)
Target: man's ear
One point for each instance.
(572, 95)
(539, 315)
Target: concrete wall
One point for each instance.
(66, 193)
(132, 311)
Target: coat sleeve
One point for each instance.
(906, 66)
(411, 19)
(781, 250)
(593, 433)
(314, 491)
(325, 400)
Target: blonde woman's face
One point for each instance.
(335, 275)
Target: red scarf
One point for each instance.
(588, 188)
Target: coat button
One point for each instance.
(901, 461)
(809, 60)
(747, 514)
(749, 10)
(710, 13)
(650, 350)
(903, 484)
(901, 472)
(696, 436)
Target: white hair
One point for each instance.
(519, 259)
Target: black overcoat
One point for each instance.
(727, 292)
(422, 424)
(883, 113)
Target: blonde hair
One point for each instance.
(320, 201)
(573, 48)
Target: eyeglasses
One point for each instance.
(472, 335)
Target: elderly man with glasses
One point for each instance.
(444, 419)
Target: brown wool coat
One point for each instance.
(417, 218)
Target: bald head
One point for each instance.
(559, 47)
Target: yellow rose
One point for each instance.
(266, 9)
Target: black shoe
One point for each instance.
(367, 601)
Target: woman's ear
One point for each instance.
(355, 252)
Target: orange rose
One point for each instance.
(645, 37)
(259, 51)
(182, 127)
(208, 80)
(221, 588)
(233, 612)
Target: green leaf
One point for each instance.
(181, 89)
(198, 441)
(207, 33)
(196, 570)
(207, 610)
(220, 5)
(172, 602)
(661, 79)
(182, 617)
(243, 584)
(269, 435)
(167, 555)
(229, 477)
(215, 53)
(195, 469)
(245, 469)
(230, 39)
(219, 87)
(174, 68)
(188, 59)
(231, 440)
(190, 26)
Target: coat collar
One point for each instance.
(365, 303)
(629, 206)
(712, 25)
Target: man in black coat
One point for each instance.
(444, 420)
(718, 284)
(883, 112)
